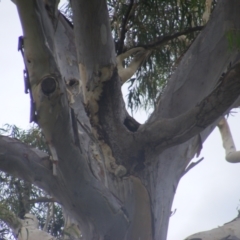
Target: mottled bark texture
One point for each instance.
(115, 177)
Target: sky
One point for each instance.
(207, 196)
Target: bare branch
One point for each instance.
(164, 39)
(125, 19)
(168, 132)
(207, 12)
(49, 216)
(143, 52)
(140, 56)
(232, 155)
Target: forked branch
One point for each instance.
(142, 52)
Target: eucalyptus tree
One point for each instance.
(114, 177)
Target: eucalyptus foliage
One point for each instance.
(155, 25)
(21, 197)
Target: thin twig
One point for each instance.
(162, 40)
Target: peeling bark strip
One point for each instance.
(96, 58)
(97, 63)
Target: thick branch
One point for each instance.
(168, 132)
(202, 65)
(193, 80)
(207, 12)
(140, 56)
(228, 231)
(95, 50)
(94, 46)
(95, 208)
(32, 165)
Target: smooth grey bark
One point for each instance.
(58, 122)
(111, 179)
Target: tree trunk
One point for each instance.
(196, 77)
(115, 177)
